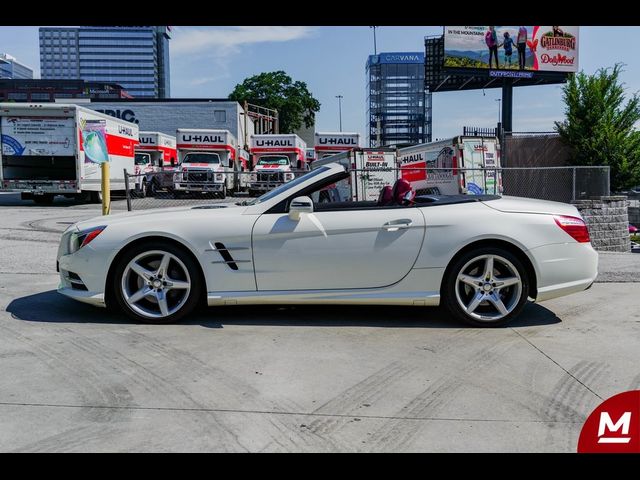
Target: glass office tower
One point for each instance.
(135, 57)
(399, 108)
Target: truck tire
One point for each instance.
(223, 193)
(46, 199)
(96, 197)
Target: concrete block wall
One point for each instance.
(608, 222)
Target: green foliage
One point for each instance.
(294, 102)
(599, 125)
(464, 62)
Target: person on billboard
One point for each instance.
(491, 39)
(508, 49)
(557, 32)
(521, 43)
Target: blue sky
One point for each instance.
(210, 61)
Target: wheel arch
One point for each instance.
(499, 243)
(142, 240)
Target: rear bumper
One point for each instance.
(563, 269)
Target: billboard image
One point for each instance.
(94, 141)
(532, 48)
(34, 136)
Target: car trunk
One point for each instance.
(531, 205)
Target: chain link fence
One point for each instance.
(177, 188)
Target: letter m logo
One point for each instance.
(607, 425)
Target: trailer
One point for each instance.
(276, 159)
(55, 149)
(155, 153)
(462, 164)
(332, 143)
(371, 170)
(207, 161)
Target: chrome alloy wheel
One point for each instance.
(488, 287)
(155, 284)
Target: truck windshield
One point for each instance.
(143, 159)
(274, 160)
(201, 158)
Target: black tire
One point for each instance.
(46, 199)
(454, 293)
(153, 188)
(223, 193)
(143, 189)
(115, 294)
(96, 197)
(177, 194)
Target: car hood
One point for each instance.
(161, 215)
(531, 205)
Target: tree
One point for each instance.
(599, 126)
(294, 102)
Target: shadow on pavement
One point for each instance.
(52, 307)
(13, 200)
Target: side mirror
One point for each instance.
(298, 206)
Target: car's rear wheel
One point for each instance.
(486, 287)
(156, 282)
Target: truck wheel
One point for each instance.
(153, 188)
(96, 197)
(143, 189)
(177, 194)
(485, 287)
(43, 199)
(223, 194)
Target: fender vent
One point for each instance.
(225, 253)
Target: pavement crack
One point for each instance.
(560, 366)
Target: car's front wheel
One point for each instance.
(486, 287)
(157, 282)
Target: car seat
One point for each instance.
(400, 189)
(386, 196)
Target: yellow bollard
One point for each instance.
(106, 192)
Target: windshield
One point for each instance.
(274, 160)
(201, 158)
(286, 186)
(143, 159)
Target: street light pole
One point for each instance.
(499, 110)
(375, 48)
(339, 97)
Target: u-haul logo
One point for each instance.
(350, 142)
(202, 138)
(274, 143)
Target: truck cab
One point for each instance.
(207, 161)
(276, 160)
(155, 153)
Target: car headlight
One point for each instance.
(288, 176)
(77, 240)
(253, 177)
(219, 177)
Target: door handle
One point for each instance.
(396, 225)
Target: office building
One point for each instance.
(11, 68)
(398, 106)
(137, 58)
(37, 91)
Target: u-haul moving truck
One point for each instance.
(456, 165)
(55, 149)
(275, 160)
(331, 143)
(207, 159)
(371, 170)
(155, 153)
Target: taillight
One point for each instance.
(574, 226)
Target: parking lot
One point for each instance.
(77, 378)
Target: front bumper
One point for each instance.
(83, 275)
(198, 187)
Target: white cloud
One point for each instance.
(222, 41)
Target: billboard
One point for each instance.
(33, 136)
(512, 48)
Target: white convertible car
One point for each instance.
(481, 257)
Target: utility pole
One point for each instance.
(375, 47)
(339, 97)
(499, 111)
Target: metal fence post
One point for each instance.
(573, 191)
(126, 190)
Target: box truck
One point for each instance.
(461, 164)
(331, 143)
(56, 149)
(371, 170)
(207, 161)
(155, 153)
(276, 159)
